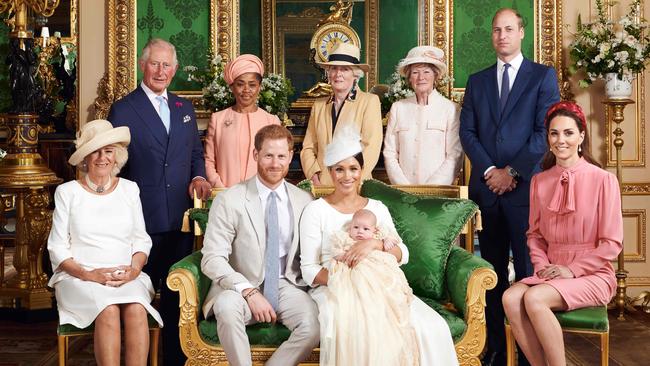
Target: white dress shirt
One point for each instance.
(152, 97)
(515, 65)
(285, 221)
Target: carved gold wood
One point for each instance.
(120, 77)
(617, 106)
(303, 23)
(270, 43)
(639, 216)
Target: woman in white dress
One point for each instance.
(98, 246)
(327, 215)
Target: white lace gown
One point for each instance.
(97, 231)
(318, 222)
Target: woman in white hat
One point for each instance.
(422, 145)
(98, 246)
(320, 220)
(347, 106)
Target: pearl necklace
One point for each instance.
(95, 187)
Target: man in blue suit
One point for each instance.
(502, 133)
(166, 161)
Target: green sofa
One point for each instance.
(466, 278)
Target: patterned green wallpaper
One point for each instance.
(398, 33)
(5, 95)
(472, 34)
(186, 24)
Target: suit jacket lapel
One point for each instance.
(521, 81)
(493, 93)
(255, 214)
(296, 218)
(143, 107)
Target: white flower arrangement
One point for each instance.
(605, 46)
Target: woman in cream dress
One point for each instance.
(422, 145)
(319, 221)
(98, 246)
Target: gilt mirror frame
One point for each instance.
(122, 63)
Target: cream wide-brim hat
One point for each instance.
(424, 55)
(345, 54)
(346, 143)
(96, 134)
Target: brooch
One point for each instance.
(228, 122)
(187, 118)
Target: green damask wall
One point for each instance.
(186, 24)
(473, 34)
(398, 33)
(250, 27)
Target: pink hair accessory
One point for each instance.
(241, 65)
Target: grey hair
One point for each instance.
(157, 42)
(121, 156)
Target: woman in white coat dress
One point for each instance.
(422, 145)
(98, 245)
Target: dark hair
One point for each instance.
(273, 132)
(548, 161)
(520, 19)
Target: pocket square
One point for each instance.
(187, 118)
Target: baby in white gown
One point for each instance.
(370, 299)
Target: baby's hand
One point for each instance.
(389, 243)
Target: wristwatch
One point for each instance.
(512, 172)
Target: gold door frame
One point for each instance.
(270, 42)
(436, 28)
(121, 75)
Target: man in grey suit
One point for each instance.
(250, 252)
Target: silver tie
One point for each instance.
(272, 260)
(163, 111)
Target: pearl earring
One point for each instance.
(579, 148)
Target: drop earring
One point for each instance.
(579, 148)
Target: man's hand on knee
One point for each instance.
(260, 307)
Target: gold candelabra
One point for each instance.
(23, 172)
(616, 107)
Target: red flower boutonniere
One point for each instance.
(179, 104)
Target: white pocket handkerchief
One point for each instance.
(187, 118)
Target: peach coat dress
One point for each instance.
(576, 221)
(229, 145)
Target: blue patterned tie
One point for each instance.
(163, 111)
(272, 260)
(505, 87)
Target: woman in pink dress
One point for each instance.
(229, 140)
(575, 230)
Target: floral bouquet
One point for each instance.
(274, 92)
(605, 46)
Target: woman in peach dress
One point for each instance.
(575, 230)
(229, 140)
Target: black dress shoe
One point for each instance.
(493, 358)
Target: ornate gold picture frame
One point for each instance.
(120, 78)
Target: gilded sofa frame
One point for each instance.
(468, 348)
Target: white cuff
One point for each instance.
(240, 287)
(488, 169)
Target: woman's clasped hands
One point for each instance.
(553, 271)
(113, 276)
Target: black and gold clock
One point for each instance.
(328, 35)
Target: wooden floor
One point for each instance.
(29, 339)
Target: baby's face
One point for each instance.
(362, 228)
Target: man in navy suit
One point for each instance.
(502, 133)
(166, 161)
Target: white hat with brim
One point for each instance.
(345, 54)
(96, 134)
(424, 55)
(346, 143)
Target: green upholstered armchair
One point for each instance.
(465, 279)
